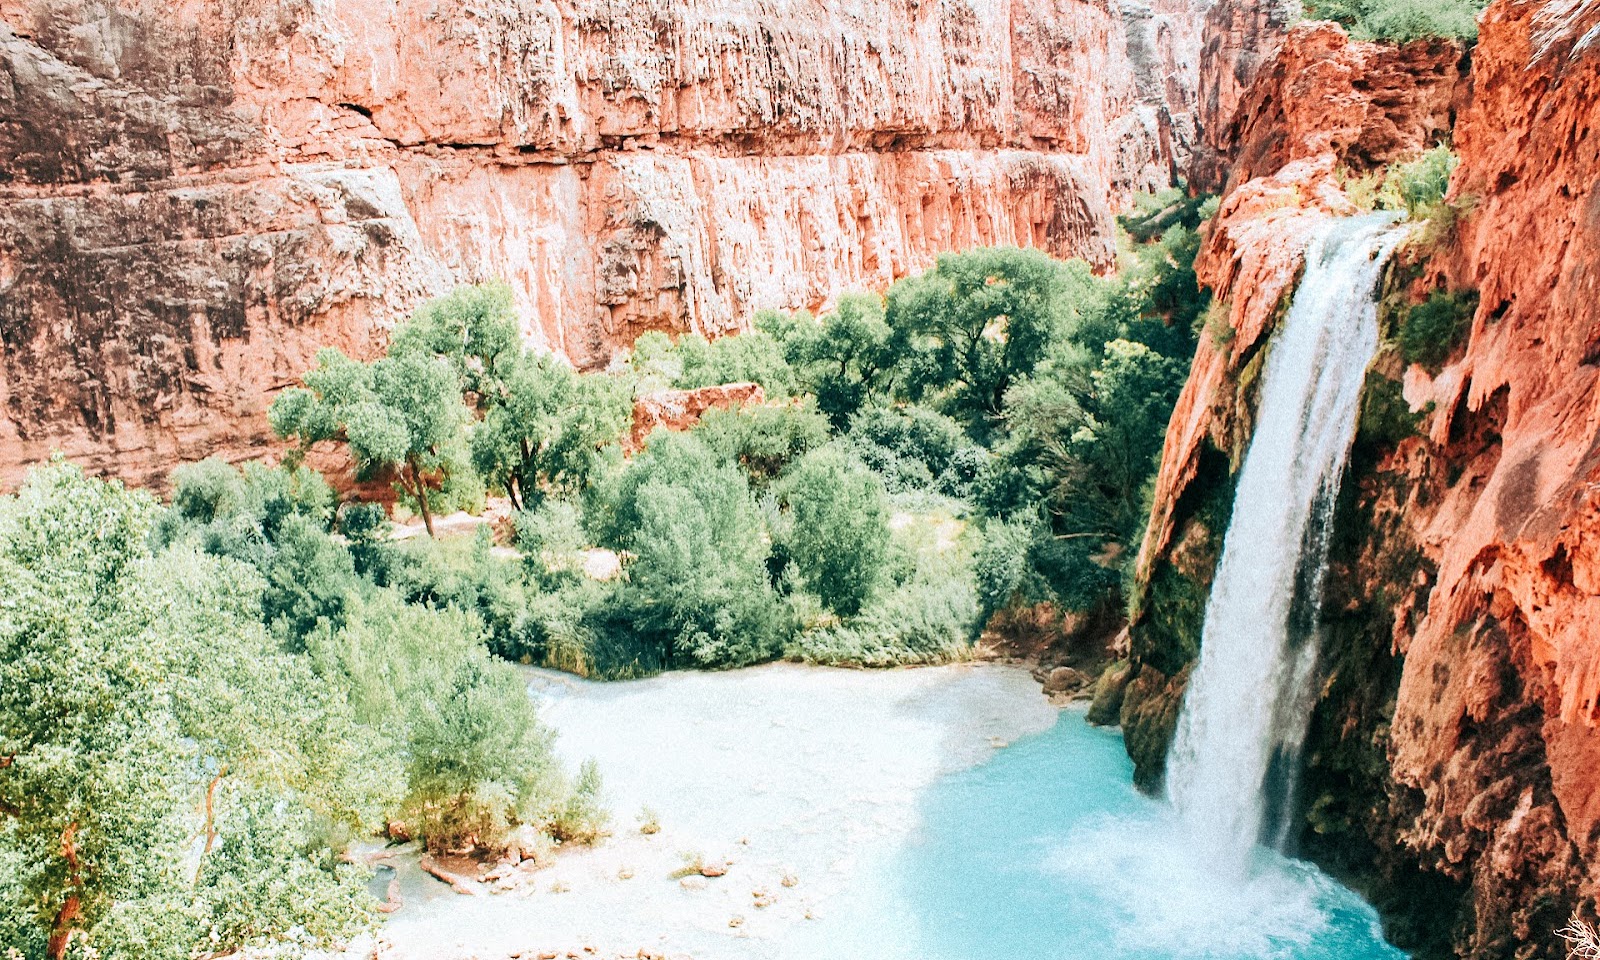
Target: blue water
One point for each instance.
(1047, 852)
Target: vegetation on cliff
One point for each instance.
(1401, 21)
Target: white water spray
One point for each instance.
(1231, 768)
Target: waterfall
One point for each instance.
(1233, 761)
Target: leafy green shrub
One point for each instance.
(582, 818)
(1419, 186)
(1431, 330)
(309, 577)
(1002, 567)
(1401, 21)
(925, 612)
(464, 574)
(697, 589)
(764, 439)
(914, 448)
(1386, 418)
(274, 519)
(838, 531)
(750, 357)
(480, 761)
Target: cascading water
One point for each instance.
(1231, 768)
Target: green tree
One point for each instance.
(698, 587)
(838, 536)
(845, 359)
(474, 328)
(976, 322)
(544, 436)
(137, 691)
(749, 357)
(402, 412)
(478, 761)
(763, 439)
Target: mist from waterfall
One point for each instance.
(1232, 767)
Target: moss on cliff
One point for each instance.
(1351, 811)
(1378, 586)
(1166, 615)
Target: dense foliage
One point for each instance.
(1401, 21)
(202, 705)
(1432, 329)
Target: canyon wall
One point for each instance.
(195, 195)
(1453, 762)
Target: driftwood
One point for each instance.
(458, 882)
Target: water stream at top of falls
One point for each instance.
(1231, 770)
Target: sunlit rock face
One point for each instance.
(1498, 725)
(195, 195)
(1457, 736)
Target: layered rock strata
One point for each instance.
(196, 195)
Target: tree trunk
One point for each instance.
(514, 491)
(56, 947)
(211, 821)
(421, 490)
(61, 929)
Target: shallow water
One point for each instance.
(946, 813)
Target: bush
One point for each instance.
(914, 448)
(838, 531)
(1401, 21)
(763, 440)
(582, 818)
(697, 589)
(749, 357)
(845, 359)
(1431, 330)
(925, 612)
(480, 760)
(1002, 569)
(1419, 186)
(274, 519)
(464, 574)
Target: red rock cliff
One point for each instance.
(194, 194)
(1456, 743)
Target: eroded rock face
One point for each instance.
(682, 409)
(195, 195)
(1511, 633)
(1239, 36)
(1454, 759)
(1322, 105)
